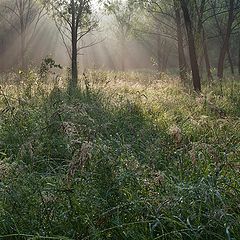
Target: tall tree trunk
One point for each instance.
(166, 55)
(181, 55)
(201, 31)
(192, 47)
(74, 80)
(22, 35)
(74, 61)
(22, 54)
(226, 39)
(200, 64)
(206, 56)
(230, 61)
(159, 67)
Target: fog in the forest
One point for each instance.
(44, 40)
(120, 119)
(127, 36)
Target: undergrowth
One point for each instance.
(130, 156)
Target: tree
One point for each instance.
(192, 47)
(23, 16)
(232, 11)
(166, 29)
(164, 22)
(181, 54)
(156, 39)
(74, 21)
(123, 13)
(200, 6)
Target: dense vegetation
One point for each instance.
(120, 119)
(129, 156)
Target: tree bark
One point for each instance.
(192, 47)
(226, 39)
(201, 30)
(22, 54)
(159, 65)
(181, 55)
(230, 61)
(74, 80)
(22, 35)
(206, 56)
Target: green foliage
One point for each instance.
(125, 16)
(48, 64)
(65, 12)
(129, 157)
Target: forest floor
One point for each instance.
(130, 156)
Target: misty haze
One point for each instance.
(120, 119)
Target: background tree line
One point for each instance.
(200, 37)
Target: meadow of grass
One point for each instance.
(129, 156)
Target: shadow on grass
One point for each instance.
(115, 192)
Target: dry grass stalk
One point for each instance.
(27, 148)
(69, 129)
(79, 160)
(5, 170)
(192, 154)
(176, 133)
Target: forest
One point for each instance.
(120, 119)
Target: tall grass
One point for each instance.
(130, 156)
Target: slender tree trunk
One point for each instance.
(159, 67)
(23, 64)
(74, 80)
(22, 35)
(192, 47)
(230, 61)
(200, 65)
(167, 53)
(226, 39)
(206, 57)
(74, 60)
(201, 31)
(181, 55)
